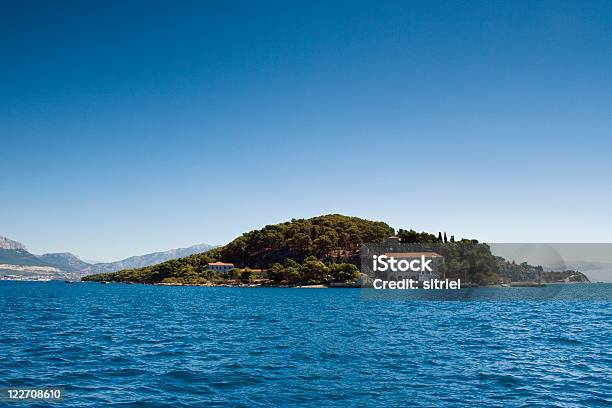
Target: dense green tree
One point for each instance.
(315, 271)
(247, 276)
(412, 236)
(343, 272)
(323, 245)
(277, 273)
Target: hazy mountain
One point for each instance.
(148, 259)
(6, 243)
(15, 253)
(65, 261)
(20, 257)
(16, 260)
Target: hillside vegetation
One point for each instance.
(519, 272)
(329, 238)
(314, 250)
(323, 250)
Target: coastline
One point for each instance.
(513, 285)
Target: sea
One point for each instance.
(119, 345)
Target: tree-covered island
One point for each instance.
(322, 250)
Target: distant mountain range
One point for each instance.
(148, 259)
(65, 261)
(16, 260)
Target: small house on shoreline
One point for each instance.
(220, 266)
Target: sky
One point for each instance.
(132, 127)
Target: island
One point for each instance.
(325, 251)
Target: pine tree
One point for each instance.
(445, 239)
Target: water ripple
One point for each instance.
(145, 346)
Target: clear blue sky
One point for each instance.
(130, 128)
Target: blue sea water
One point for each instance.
(135, 345)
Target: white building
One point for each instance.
(220, 266)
